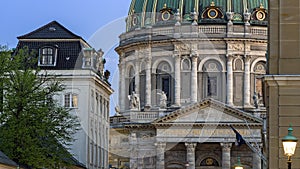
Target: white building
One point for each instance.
(87, 92)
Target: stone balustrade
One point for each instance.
(143, 116)
(169, 32)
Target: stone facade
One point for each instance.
(212, 75)
(283, 80)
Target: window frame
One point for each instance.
(71, 103)
(47, 55)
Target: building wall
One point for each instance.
(283, 81)
(91, 142)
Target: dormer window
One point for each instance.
(47, 56)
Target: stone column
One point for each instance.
(160, 155)
(229, 80)
(190, 155)
(194, 86)
(137, 78)
(133, 151)
(134, 158)
(247, 82)
(226, 147)
(177, 80)
(148, 84)
(122, 90)
(256, 159)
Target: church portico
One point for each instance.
(198, 68)
(204, 155)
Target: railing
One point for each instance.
(160, 31)
(259, 31)
(209, 30)
(143, 116)
(212, 29)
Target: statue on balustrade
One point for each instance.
(134, 101)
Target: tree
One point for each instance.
(34, 129)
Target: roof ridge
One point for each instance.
(46, 25)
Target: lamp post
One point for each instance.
(238, 165)
(289, 143)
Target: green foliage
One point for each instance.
(34, 128)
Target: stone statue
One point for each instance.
(260, 100)
(163, 100)
(134, 101)
(255, 100)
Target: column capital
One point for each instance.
(160, 145)
(177, 56)
(226, 146)
(247, 58)
(229, 57)
(194, 54)
(190, 146)
(257, 145)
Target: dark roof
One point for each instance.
(5, 160)
(68, 53)
(52, 30)
(68, 47)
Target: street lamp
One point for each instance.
(289, 143)
(238, 165)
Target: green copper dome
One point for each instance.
(143, 13)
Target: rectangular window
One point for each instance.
(71, 100)
(47, 56)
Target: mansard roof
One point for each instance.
(53, 34)
(52, 30)
(208, 112)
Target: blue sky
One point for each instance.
(99, 22)
(83, 18)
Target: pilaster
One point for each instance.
(194, 86)
(122, 86)
(256, 159)
(137, 77)
(148, 83)
(177, 80)
(229, 80)
(247, 81)
(190, 154)
(160, 155)
(226, 148)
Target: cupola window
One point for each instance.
(47, 56)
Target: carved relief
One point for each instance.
(182, 48)
(236, 47)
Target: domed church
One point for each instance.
(191, 85)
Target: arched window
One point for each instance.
(163, 79)
(259, 72)
(238, 64)
(209, 161)
(131, 80)
(186, 64)
(212, 79)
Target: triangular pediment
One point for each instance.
(208, 111)
(52, 30)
